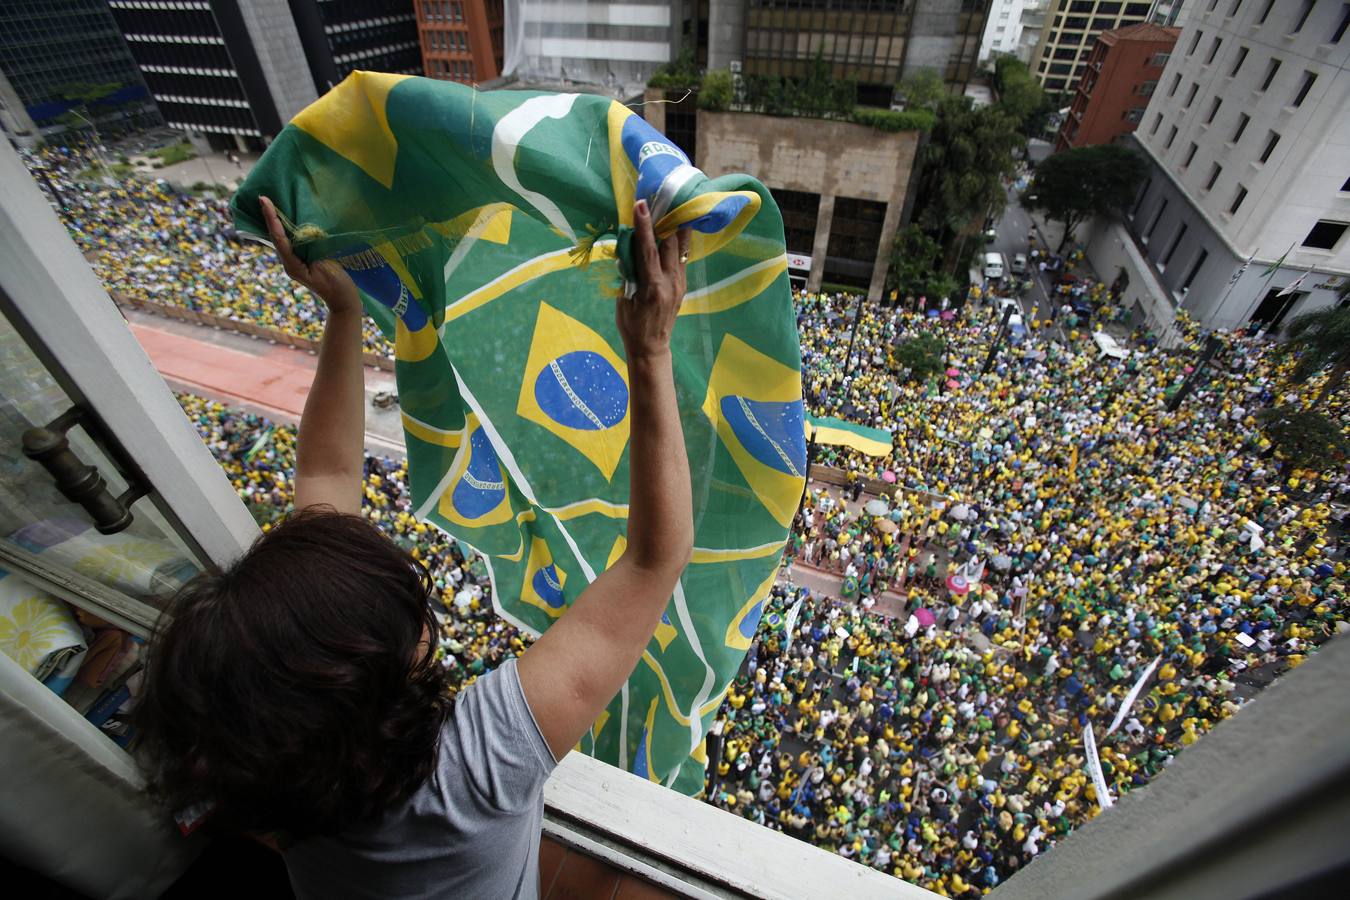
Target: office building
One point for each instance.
(1248, 148)
(53, 50)
(1123, 71)
(876, 44)
(461, 39)
(227, 73)
(373, 35)
(610, 46)
(1167, 12)
(1070, 28)
(1002, 29)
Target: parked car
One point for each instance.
(1019, 264)
(993, 265)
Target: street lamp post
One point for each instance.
(1211, 347)
(98, 146)
(998, 339)
(853, 335)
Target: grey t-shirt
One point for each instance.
(472, 830)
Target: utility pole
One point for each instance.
(998, 339)
(853, 336)
(1211, 347)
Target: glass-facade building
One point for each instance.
(340, 36)
(51, 51)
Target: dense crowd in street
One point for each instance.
(1096, 531)
(152, 242)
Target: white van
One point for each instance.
(993, 265)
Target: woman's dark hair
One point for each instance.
(292, 692)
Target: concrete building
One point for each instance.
(876, 44)
(611, 45)
(373, 35)
(1166, 12)
(1070, 28)
(1249, 151)
(1123, 70)
(842, 188)
(229, 74)
(47, 47)
(1002, 28)
(461, 39)
(1033, 22)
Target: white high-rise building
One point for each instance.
(1248, 141)
(1003, 27)
(612, 45)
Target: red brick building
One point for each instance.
(1122, 72)
(461, 39)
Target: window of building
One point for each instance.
(1139, 201)
(1308, 79)
(1190, 96)
(1195, 41)
(1265, 12)
(1176, 83)
(1195, 270)
(1345, 23)
(1214, 50)
(1172, 136)
(1212, 4)
(1214, 174)
(1176, 242)
(1214, 110)
(1345, 187)
(855, 233)
(1147, 88)
(800, 211)
(1157, 121)
(1237, 4)
(1160, 59)
(1271, 71)
(1157, 217)
(1325, 235)
(1137, 9)
(1270, 146)
(1237, 199)
(1241, 58)
(1133, 115)
(1243, 119)
(1190, 154)
(1302, 17)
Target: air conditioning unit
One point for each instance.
(735, 66)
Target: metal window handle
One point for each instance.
(78, 482)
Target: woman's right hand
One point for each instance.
(647, 318)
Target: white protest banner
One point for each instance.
(791, 621)
(1095, 768)
(1132, 696)
(1244, 639)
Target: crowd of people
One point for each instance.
(152, 242)
(1096, 531)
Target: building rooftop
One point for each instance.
(1143, 31)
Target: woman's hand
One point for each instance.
(647, 318)
(325, 278)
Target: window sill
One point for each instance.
(693, 848)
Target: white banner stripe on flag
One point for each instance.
(1132, 696)
(1095, 768)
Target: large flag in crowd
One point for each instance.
(490, 233)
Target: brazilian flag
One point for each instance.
(491, 234)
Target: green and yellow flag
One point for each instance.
(490, 233)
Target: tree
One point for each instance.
(914, 258)
(922, 90)
(964, 163)
(716, 91)
(923, 356)
(1304, 437)
(1020, 95)
(1077, 184)
(1320, 339)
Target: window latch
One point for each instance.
(78, 482)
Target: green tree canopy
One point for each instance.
(1020, 95)
(964, 164)
(1320, 339)
(921, 356)
(1305, 437)
(924, 89)
(1077, 184)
